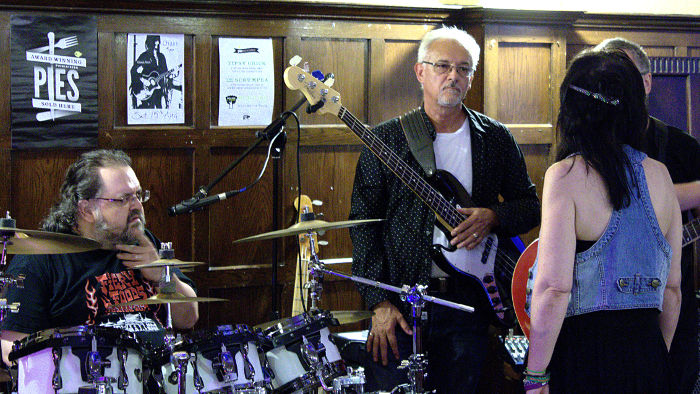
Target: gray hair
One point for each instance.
(82, 182)
(450, 33)
(636, 52)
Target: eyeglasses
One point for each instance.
(140, 196)
(443, 68)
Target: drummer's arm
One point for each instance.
(7, 338)
(185, 314)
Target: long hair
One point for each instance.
(602, 109)
(82, 182)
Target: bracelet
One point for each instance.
(531, 382)
(529, 371)
(528, 385)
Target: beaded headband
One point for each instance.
(597, 96)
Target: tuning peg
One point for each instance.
(317, 203)
(323, 243)
(306, 67)
(330, 79)
(296, 59)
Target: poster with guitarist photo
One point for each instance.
(155, 81)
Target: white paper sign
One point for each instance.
(246, 81)
(155, 82)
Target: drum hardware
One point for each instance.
(352, 383)
(416, 363)
(179, 361)
(314, 356)
(123, 380)
(56, 381)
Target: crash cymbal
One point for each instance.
(304, 227)
(165, 298)
(343, 317)
(348, 317)
(44, 242)
(169, 263)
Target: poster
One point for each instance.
(246, 81)
(53, 81)
(155, 80)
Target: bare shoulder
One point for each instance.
(566, 173)
(657, 173)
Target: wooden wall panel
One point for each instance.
(400, 90)
(348, 60)
(524, 71)
(36, 179)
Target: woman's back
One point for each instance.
(588, 193)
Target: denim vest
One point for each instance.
(628, 266)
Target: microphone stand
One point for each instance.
(200, 199)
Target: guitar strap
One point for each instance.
(419, 140)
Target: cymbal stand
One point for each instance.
(315, 284)
(7, 232)
(416, 363)
(179, 359)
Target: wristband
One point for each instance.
(530, 385)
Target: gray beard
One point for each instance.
(445, 102)
(108, 237)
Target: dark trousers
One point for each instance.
(455, 343)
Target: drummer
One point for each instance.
(101, 199)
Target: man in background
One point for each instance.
(680, 152)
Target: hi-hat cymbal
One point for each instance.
(44, 242)
(169, 263)
(304, 227)
(167, 298)
(343, 317)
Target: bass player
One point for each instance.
(483, 156)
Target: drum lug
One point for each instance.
(197, 380)
(56, 381)
(248, 370)
(123, 380)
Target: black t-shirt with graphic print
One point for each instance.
(66, 290)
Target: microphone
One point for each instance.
(197, 204)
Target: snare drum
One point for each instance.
(301, 354)
(56, 360)
(223, 360)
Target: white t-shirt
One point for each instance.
(453, 153)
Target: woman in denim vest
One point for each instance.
(606, 293)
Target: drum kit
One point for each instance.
(292, 355)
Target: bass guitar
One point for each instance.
(490, 265)
(521, 275)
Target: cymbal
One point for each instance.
(165, 298)
(343, 317)
(45, 242)
(304, 227)
(169, 263)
